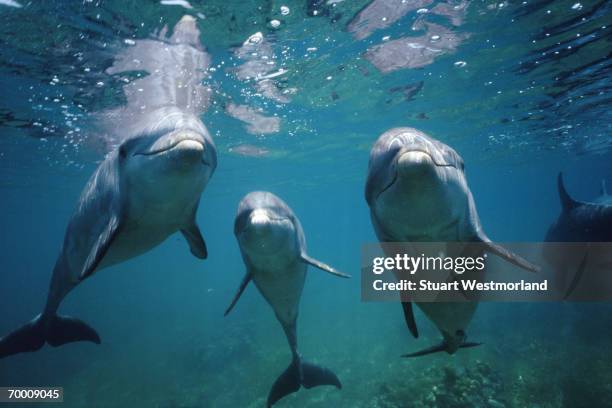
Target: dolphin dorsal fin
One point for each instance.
(604, 190)
(567, 202)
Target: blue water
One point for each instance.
(517, 113)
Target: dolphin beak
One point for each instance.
(181, 142)
(414, 162)
(259, 217)
(189, 151)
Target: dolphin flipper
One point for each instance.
(323, 266)
(409, 317)
(56, 331)
(196, 242)
(511, 257)
(578, 275)
(438, 348)
(101, 246)
(300, 374)
(243, 285)
(504, 253)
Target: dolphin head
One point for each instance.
(416, 178)
(263, 225)
(169, 162)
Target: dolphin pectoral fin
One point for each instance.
(439, 348)
(511, 257)
(505, 253)
(578, 275)
(409, 317)
(300, 373)
(196, 242)
(314, 375)
(101, 246)
(243, 285)
(323, 266)
(57, 330)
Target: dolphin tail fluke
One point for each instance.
(439, 348)
(56, 331)
(29, 337)
(314, 375)
(287, 383)
(64, 329)
(300, 374)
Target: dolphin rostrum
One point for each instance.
(417, 192)
(145, 190)
(273, 249)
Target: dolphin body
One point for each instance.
(145, 190)
(580, 222)
(273, 249)
(417, 192)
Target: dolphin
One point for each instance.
(146, 189)
(580, 222)
(273, 249)
(417, 192)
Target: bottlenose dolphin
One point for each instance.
(273, 249)
(145, 190)
(417, 192)
(580, 222)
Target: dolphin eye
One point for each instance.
(122, 151)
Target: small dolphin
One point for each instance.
(417, 192)
(273, 249)
(584, 222)
(145, 190)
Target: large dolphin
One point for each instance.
(417, 192)
(273, 249)
(144, 191)
(580, 222)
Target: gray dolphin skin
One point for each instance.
(579, 221)
(145, 190)
(417, 192)
(273, 249)
(582, 221)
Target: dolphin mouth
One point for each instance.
(425, 151)
(267, 220)
(169, 147)
(414, 150)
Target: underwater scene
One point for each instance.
(186, 186)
